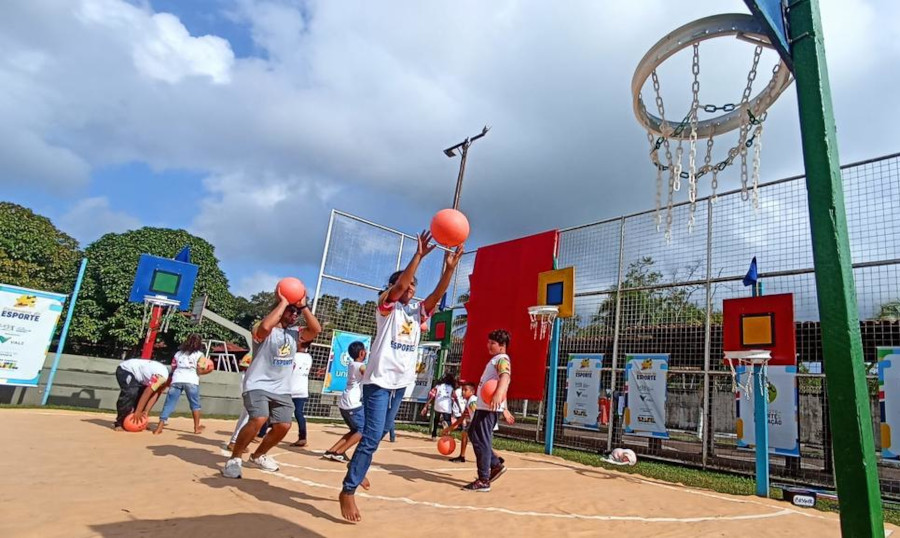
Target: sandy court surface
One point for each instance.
(68, 474)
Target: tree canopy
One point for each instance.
(34, 253)
(103, 314)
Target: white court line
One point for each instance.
(507, 511)
(378, 469)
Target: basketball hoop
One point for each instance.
(747, 115)
(542, 318)
(747, 359)
(169, 306)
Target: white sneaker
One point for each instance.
(264, 462)
(232, 468)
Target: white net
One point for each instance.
(542, 318)
(747, 359)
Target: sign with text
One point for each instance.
(783, 416)
(27, 323)
(425, 363)
(336, 371)
(889, 401)
(582, 407)
(645, 393)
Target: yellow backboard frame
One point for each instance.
(564, 276)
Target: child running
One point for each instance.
(184, 379)
(481, 429)
(351, 405)
(442, 395)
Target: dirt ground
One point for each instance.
(68, 474)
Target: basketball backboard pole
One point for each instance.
(464, 147)
(152, 330)
(856, 471)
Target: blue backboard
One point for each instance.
(164, 277)
(773, 15)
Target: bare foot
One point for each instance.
(199, 429)
(117, 428)
(159, 428)
(348, 507)
(256, 440)
(365, 483)
(299, 442)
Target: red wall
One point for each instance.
(502, 287)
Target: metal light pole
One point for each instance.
(451, 152)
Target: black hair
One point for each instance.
(501, 336)
(464, 384)
(355, 349)
(395, 276)
(449, 379)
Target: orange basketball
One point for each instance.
(292, 289)
(488, 390)
(446, 445)
(205, 365)
(450, 227)
(130, 426)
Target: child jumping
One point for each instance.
(481, 429)
(392, 361)
(184, 379)
(351, 405)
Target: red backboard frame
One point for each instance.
(780, 307)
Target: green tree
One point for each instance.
(644, 303)
(34, 253)
(249, 311)
(103, 314)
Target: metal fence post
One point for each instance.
(324, 258)
(615, 349)
(705, 413)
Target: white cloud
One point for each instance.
(349, 105)
(91, 218)
(162, 48)
(255, 283)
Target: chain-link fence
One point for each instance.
(638, 293)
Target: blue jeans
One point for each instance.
(193, 396)
(481, 435)
(381, 406)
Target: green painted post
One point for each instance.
(856, 473)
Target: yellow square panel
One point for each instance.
(757, 330)
(557, 288)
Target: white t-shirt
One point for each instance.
(146, 371)
(273, 362)
(458, 404)
(351, 398)
(394, 351)
(492, 370)
(300, 375)
(443, 398)
(185, 365)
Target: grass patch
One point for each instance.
(676, 474)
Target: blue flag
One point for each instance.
(752, 276)
(184, 255)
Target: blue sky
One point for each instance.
(247, 121)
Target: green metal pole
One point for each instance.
(856, 474)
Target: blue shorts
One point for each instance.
(354, 418)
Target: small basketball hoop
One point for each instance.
(542, 318)
(748, 359)
(169, 306)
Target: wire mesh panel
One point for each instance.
(639, 292)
